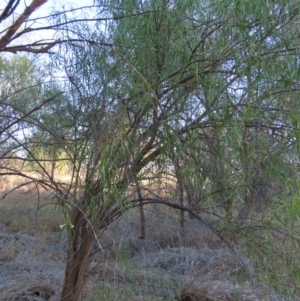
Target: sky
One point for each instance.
(45, 10)
(50, 4)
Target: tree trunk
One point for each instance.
(78, 260)
(244, 213)
(246, 210)
(180, 190)
(181, 204)
(142, 212)
(191, 202)
(143, 220)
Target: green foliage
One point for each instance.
(199, 94)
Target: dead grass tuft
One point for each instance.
(11, 245)
(193, 292)
(30, 293)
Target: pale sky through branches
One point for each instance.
(38, 18)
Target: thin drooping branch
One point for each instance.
(27, 114)
(118, 212)
(205, 223)
(45, 183)
(16, 188)
(15, 31)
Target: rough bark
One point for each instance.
(78, 257)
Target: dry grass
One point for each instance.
(205, 292)
(169, 264)
(28, 211)
(32, 292)
(187, 262)
(31, 254)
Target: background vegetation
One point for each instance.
(144, 109)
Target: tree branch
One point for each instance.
(6, 39)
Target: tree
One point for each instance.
(200, 89)
(179, 76)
